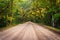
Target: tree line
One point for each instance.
(39, 11)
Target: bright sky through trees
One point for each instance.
(24, 0)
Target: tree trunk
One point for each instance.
(53, 20)
(11, 15)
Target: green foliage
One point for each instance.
(4, 10)
(2, 22)
(56, 17)
(39, 11)
(57, 20)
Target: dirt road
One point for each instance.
(28, 31)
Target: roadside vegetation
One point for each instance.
(13, 12)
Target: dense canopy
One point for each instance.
(39, 11)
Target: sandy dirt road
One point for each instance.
(28, 31)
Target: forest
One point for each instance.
(13, 12)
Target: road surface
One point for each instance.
(28, 31)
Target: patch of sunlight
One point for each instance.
(33, 12)
(24, 0)
(38, 11)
